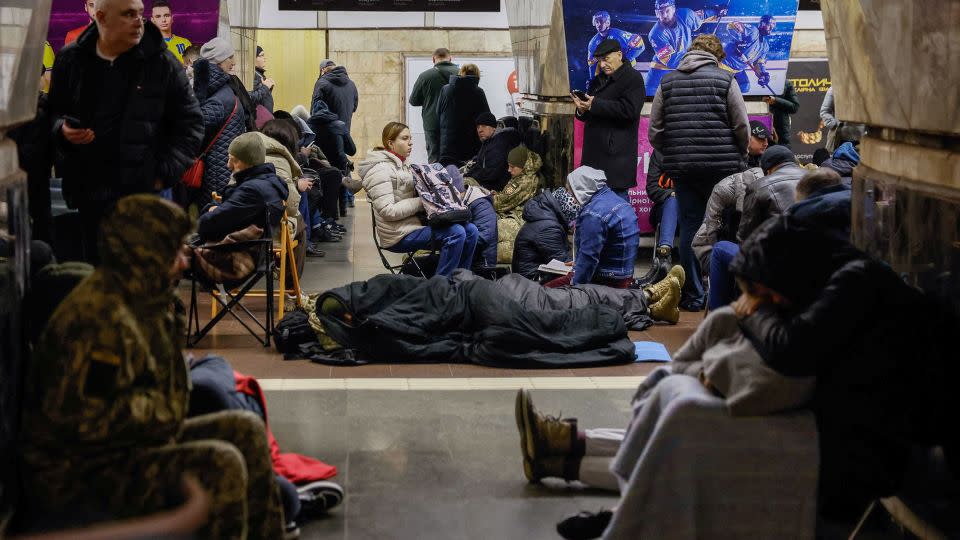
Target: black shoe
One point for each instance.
(313, 251)
(585, 525)
(662, 263)
(318, 498)
(338, 227)
(324, 233)
(691, 305)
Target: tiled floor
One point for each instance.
(353, 259)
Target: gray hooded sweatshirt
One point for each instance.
(585, 181)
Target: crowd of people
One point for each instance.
(147, 130)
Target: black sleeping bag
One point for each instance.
(395, 318)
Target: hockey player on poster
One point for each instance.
(631, 44)
(672, 35)
(747, 47)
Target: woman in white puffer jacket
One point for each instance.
(389, 184)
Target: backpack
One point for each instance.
(292, 331)
(441, 200)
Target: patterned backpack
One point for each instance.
(441, 200)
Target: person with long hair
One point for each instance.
(389, 184)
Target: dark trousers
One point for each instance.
(38, 203)
(325, 194)
(432, 137)
(692, 197)
(91, 214)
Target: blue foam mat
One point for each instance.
(651, 351)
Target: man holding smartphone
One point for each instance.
(124, 117)
(610, 111)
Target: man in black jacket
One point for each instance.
(699, 123)
(123, 113)
(774, 193)
(489, 168)
(611, 114)
(336, 89)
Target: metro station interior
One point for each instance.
(785, 376)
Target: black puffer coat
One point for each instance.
(610, 129)
(221, 109)
(490, 165)
(544, 236)
(884, 372)
(393, 318)
(156, 131)
(339, 93)
(460, 103)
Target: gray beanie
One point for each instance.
(249, 149)
(217, 50)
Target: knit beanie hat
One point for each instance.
(776, 155)
(487, 119)
(569, 206)
(249, 149)
(518, 156)
(217, 50)
(259, 50)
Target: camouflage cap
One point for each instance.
(143, 234)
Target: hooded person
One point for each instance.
(107, 395)
(845, 158)
(489, 169)
(544, 236)
(606, 235)
(335, 88)
(524, 168)
(332, 136)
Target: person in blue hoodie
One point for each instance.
(845, 158)
(606, 234)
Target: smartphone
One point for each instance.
(581, 95)
(72, 122)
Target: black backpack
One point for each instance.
(292, 331)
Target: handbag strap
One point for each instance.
(236, 103)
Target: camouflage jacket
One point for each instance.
(108, 375)
(521, 189)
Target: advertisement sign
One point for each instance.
(389, 5)
(638, 194)
(811, 80)
(655, 34)
(192, 20)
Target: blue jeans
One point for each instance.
(668, 222)
(692, 196)
(723, 286)
(457, 244)
(622, 193)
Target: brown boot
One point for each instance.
(661, 288)
(667, 309)
(677, 272)
(542, 436)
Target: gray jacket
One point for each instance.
(725, 202)
(768, 197)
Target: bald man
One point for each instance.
(124, 115)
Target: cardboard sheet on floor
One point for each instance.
(651, 351)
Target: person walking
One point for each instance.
(699, 123)
(611, 114)
(336, 89)
(123, 114)
(461, 102)
(426, 95)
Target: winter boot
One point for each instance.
(666, 309)
(662, 260)
(543, 436)
(585, 525)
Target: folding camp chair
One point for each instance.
(409, 260)
(228, 296)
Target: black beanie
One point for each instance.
(776, 155)
(487, 119)
(259, 50)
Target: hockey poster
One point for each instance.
(389, 5)
(655, 34)
(811, 80)
(185, 21)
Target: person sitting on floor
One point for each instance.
(106, 396)
(389, 184)
(525, 180)
(844, 160)
(489, 168)
(823, 201)
(606, 235)
(257, 194)
(545, 233)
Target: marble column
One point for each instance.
(896, 68)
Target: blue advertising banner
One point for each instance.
(655, 34)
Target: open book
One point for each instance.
(555, 267)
